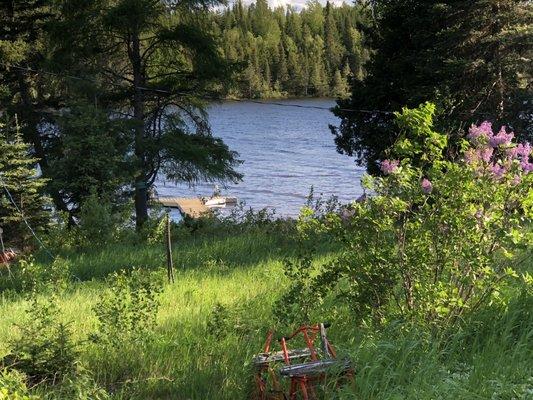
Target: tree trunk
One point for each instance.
(141, 185)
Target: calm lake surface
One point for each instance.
(285, 151)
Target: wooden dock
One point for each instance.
(191, 207)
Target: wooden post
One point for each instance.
(168, 240)
(2, 240)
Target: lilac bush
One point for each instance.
(389, 166)
(439, 237)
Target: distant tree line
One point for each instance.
(286, 52)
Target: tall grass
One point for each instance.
(215, 316)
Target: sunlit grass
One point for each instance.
(186, 358)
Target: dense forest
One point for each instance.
(289, 52)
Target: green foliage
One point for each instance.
(159, 71)
(127, 310)
(467, 57)
(292, 53)
(13, 386)
(35, 277)
(97, 224)
(438, 238)
(78, 387)
(44, 350)
(226, 321)
(89, 157)
(488, 353)
(18, 174)
(301, 298)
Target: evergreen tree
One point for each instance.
(333, 47)
(318, 80)
(358, 55)
(293, 27)
(159, 60)
(23, 91)
(491, 53)
(18, 174)
(468, 57)
(91, 157)
(282, 74)
(340, 88)
(283, 39)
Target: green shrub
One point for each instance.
(75, 387)
(439, 237)
(302, 296)
(44, 350)
(97, 224)
(128, 309)
(30, 276)
(13, 386)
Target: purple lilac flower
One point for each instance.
(486, 154)
(426, 185)
(389, 166)
(512, 153)
(516, 180)
(484, 130)
(473, 156)
(523, 150)
(527, 167)
(497, 170)
(501, 138)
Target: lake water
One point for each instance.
(285, 151)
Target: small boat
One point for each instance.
(219, 201)
(216, 200)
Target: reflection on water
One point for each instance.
(285, 151)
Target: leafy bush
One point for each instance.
(44, 351)
(235, 319)
(30, 276)
(13, 386)
(439, 236)
(97, 224)
(37, 277)
(300, 299)
(128, 309)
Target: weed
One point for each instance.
(128, 308)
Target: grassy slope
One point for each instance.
(489, 359)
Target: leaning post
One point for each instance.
(168, 241)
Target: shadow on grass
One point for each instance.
(220, 253)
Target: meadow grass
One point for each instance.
(240, 274)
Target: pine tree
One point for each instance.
(282, 73)
(23, 91)
(18, 174)
(333, 47)
(340, 87)
(492, 52)
(318, 80)
(284, 37)
(159, 60)
(89, 158)
(357, 53)
(471, 58)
